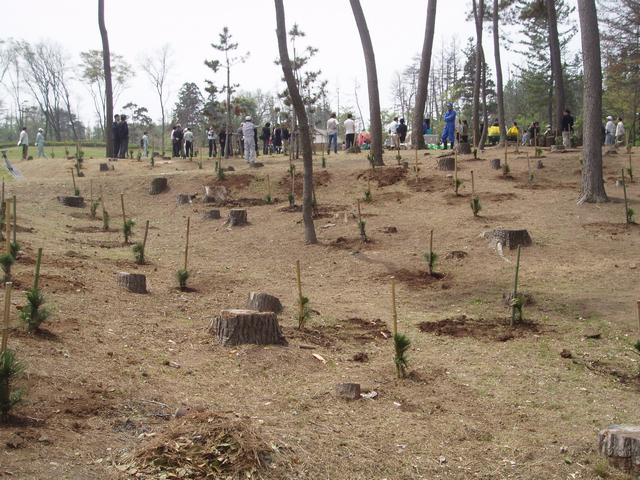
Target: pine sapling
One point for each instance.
(475, 153)
(14, 248)
(105, 220)
(402, 344)
(363, 233)
(33, 314)
(506, 170)
(220, 174)
(10, 395)
(292, 199)
(475, 206)
(127, 229)
(138, 253)
(324, 161)
(372, 160)
(94, 209)
(367, 195)
(6, 262)
(431, 258)
(267, 200)
(458, 182)
(200, 165)
(183, 275)
(306, 313)
(399, 157)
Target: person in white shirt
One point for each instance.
(24, 141)
(350, 131)
(620, 132)
(145, 144)
(393, 133)
(249, 141)
(188, 142)
(610, 130)
(211, 135)
(40, 143)
(332, 133)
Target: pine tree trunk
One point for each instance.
(592, 190)
(556, 63)
(372, 82)
(107, 79)
(423, 78)
(298, 105)
(500, 93)
(478, 14)
(485, 130)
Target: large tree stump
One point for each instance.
(446, 163)
(235, 327)
(211, 215)
(495, 163)
(134, 282)
(182, 198)
(464, 148)
(621, 445)
(77, 202)
(263, 302)
(237, 217)
(105, 167)
(215, 194)
(508, 238)
(158, 185)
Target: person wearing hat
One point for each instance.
(609, 130)
(450, 128)
(548, 132)
(249, 140)
(40, 143)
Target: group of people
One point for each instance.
(120, 129)
(23, 141)
(612, 131)
(332, 132)
(397, 132)
(182, 141)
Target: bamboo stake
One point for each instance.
(186, 248)
(626, 206)
(393, 302)
(368, 182)
(431, 252)
(7, 306)
(515, 288)
(293, 183)
(144, 242)
(104, 212)
(473, 186)
(73, 177)
(37, 276)
(417, 165)
(300, 295)
(124, 218)
(91, 191)
(269, 185)
(455, 170)
(360, 220)
(535, 141)
(15, 218)
(8, 225)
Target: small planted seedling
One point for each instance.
(458, 182)
(200, 165)
(33, 314)
(324, 161)
(367, 195)
(630, 171)
(14, 248)
(304, 314)
(6, 262)
(138, 253)
(10, 369)
(475, 206)
(182, 276)
(152, 161)
(105, 220)
(292, 199)
(506, 170)
(399, 157)
(94, 209)
(402, 344)
(361, 226)
(220, 174)
(372, 160)
(127, 229)
(629, 211)
(267, 200)
(431, 260)
(475, 153)
(292, 170)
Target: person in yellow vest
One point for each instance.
(513, 131)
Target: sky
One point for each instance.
(136, 27)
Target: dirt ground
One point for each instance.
(110, 368)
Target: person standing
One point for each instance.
(567, 128)
(123, 128)
(426, 127)
(178, 136)
(223, 141)
(610, 131)
(211, 136)
(332, 134)
(285, 138)
(350, 131)
(188, 142)
(393, 132)
(266, 136)
(249, 141)
(277, 139)
(450, 127)
(40, 143)
(620, 132)
(402, 131)
(115, 127)
(145, 144)
(464, 133)
(24, 141)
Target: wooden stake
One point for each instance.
(473, 187)
(144, 242)
(626, 206)
(91, 191)
(37, 276)
(455, 171)
(515, 288)
(417, 165)
(8, 225)
(269, 185)
(7, 309)
(360, 221)
(293, 183)
(638, 306)
(529, 166)
(300, 295)
(186, 248)
(535, 141)
(368, 182)
(73, 177)
(431, 252)
(15, 217)
(393, 302)
(124, 218)
(104, 212)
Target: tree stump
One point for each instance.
(405, 165)
(134, 282)
(215, 194)
(557, 148)
(263, 302)
(621, 445)
(508, 238)
(539, 164)
(158, 185)
(348, 391)
(182, 198)
(235, 327)
(464, 148)
(542, 142)
(211, 215)
(104, 167)
(77, 202)
(237, 217)
(447, 163)
(495, 163)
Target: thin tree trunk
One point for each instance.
(592, 190)
(298, 105)
(496, 50)
(107, 78)
(423, 77)
(478, 14)
(556, 62)
(485, 130)
(372, 82)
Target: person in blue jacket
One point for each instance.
(450, 128)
